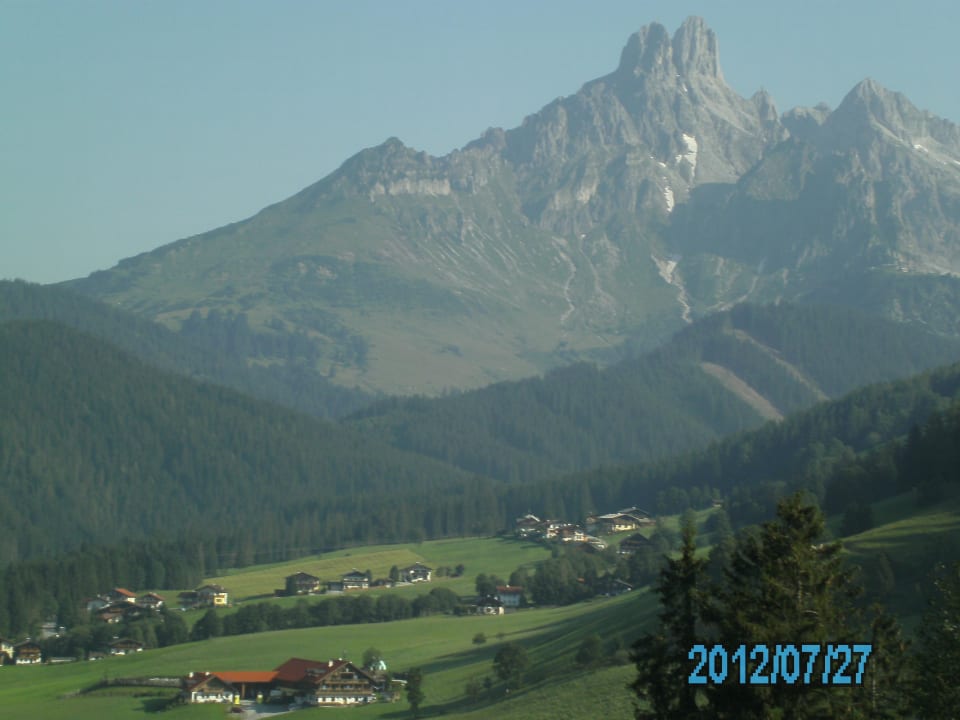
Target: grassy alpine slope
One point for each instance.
(441, 645)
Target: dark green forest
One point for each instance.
(100, 449)
(661, 404)
(214, 348)
(97, 448)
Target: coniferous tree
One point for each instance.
(661, 658)
(885, 674)
(785, 585)
(415, 695)
(936, 692)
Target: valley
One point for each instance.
(658, 366)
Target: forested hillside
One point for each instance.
(872, 443)
(722, 375)
(216, 352)
(97, 447)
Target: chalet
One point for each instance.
(612, 587)
(331, 682)
(571, 534)
(551, 529)
(527, 525)
(6, 651)
(633, 543)
(111, 614)
(50, 629)
(189, 599)
(125, 646)
(621, 521)
(489, 606)
(511, 596)
(355, 580)
(97, 603)
(118, 595)
(418, 572)
(213, 596)
(301, 583)
(206, 688)
(150, 601)
(27, 653)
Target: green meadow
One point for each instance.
(498, 556)
(442, 645)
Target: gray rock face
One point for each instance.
(653, 195)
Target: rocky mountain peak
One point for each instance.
(691, 52)
(647, 51)
(695, 49)
(869, 105)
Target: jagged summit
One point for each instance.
(695, 49)
(653, 195)
(692, 51)
(870, 112)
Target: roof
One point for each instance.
(416, 566)
(294, 669)
(124, 592)
(152, 595)
(247, 676)
(200, 680)
(509, 589)
(302, 576)
(355, 574)
(298, 670)
(213, 588)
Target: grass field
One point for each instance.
(498, 556)
(441, 645)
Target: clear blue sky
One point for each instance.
(126, 125)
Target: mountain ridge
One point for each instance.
(652, 196)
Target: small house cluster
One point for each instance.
(303, 682)
(302, 583)
(119, 603)
(531, 527)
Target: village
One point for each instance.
(299, 682)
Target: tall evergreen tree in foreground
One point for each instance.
(782, 585)
(661, 658)
(936, 690)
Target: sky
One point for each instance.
(128, 125)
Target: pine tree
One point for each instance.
(415, 694)
(784, 585)
(661, 658)
(936, 693)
